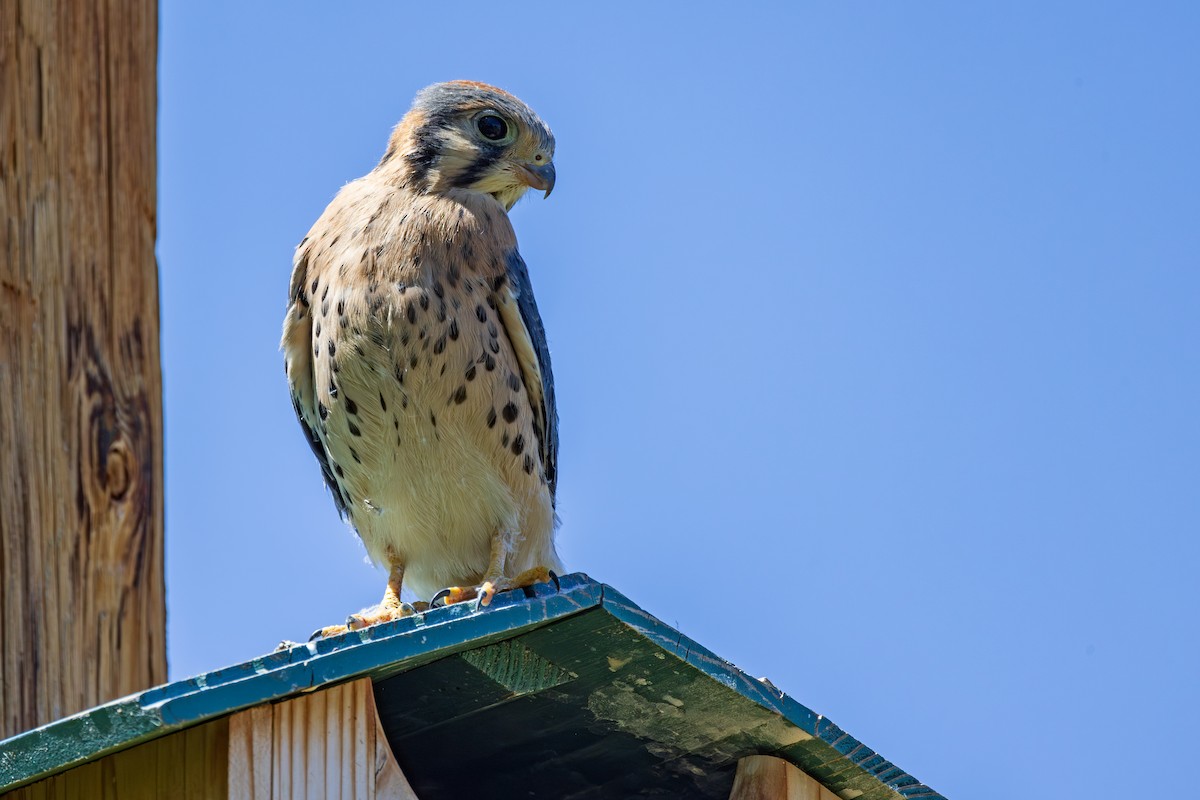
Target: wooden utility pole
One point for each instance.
(81, 498)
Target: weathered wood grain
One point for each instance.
(770, 778)
(81, 532)
(327, 744)
(251, 744)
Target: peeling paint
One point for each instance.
(615, 663)
(663, 719)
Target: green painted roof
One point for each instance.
(578, 687)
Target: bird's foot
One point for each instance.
(384, 612)
(487, 591)
(530, 577)
(456, 594)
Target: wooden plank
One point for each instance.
(353, 743)
(770, 778)
(166, 770)
(138, 777)
(189, 765)
(390, 781)
(251, 735)
(81, 534)
(326, 744)
(206, 760)
(281, 752)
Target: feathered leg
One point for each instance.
(389, 608)
(494, 579)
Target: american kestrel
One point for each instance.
(416, 357)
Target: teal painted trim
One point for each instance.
(57, 746)
(375, 652)
(829, 754)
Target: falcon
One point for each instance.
(416, 357)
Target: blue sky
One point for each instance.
(875, 329)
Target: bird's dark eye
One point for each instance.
(492, 127)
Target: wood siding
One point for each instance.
(188, 765)
(323, 745)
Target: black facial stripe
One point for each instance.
(429, 143)
(478, 168)
(423, 157)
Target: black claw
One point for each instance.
(554, 577)
(316, 635)
(442, 595)
(408, 607)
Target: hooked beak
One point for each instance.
(540, 177)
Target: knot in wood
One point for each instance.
(116, 469)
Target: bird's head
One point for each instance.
(471, 136)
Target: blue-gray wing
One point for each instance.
(297, 350)
(519, 314)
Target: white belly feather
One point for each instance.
(425, 474)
